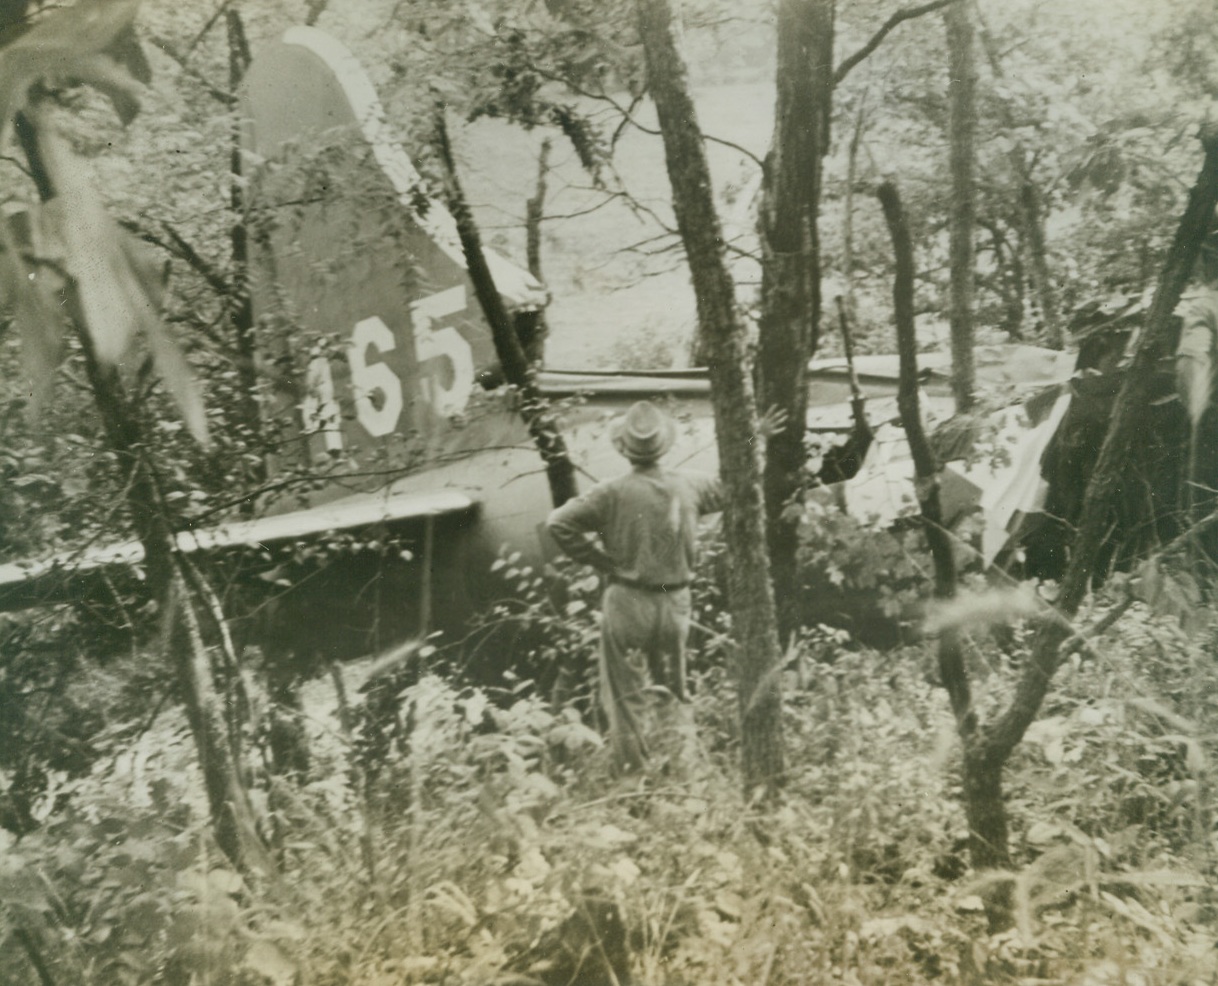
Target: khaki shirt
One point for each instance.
(641, 526)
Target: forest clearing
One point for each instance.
(310, 315)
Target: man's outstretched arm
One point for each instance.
(709, 489)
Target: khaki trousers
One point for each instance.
(642, 664)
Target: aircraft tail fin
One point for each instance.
(358, 276)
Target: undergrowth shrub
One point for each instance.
(58, 706)
(875, 738)
(544, 628)
(1126, 753)
(455, 809)
(124, 885)
(1110, 800)
(867, 581)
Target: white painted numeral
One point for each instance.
(377, 390)
(320, 409)
(379, 417)
(443, 343)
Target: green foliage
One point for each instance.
(122, 885)
(64, 697)
(868, 581)
(44, 727)
(551, 618)
(454, 847)
(519, 90)
(1126, 749)
(469, 768)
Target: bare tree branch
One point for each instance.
(19, 165)
(909, 13)
(514, 362)
(211, 22)
(216, 93)
(628, 116)
(178, 247)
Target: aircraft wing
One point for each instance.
(49, 580)
(339, 515)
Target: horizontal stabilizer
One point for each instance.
(340, 515)
(47, 580)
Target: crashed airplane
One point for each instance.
(378, 347)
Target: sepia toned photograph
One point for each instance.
(608, 492)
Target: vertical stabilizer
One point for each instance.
(368, 322)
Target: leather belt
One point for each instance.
(647, 586)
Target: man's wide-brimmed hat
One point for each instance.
(644, 433)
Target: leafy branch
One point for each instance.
(109, 287)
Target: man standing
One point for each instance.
(1197, 382)
(1195, 354)
(640, 531)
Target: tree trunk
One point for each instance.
(962, 134)
(517, 370)
(983, 802)
(122, 420)
(287, 738)
(535, 343)
(790, 271)
(750, 596)
(1030, 210)
(1010, 279)
(953, 674)
(232, 814)
(1034, 236)
(228, 800)
(987, 748)
(985, 808)
(241, 306)
(852, 159)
